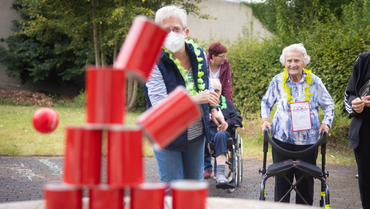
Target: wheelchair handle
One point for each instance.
(295, 154)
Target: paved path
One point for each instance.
(22, 179)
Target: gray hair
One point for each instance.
(296, 48)
(171, 11)
(215, 80)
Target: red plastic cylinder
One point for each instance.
(105, 95)
(105, 197)
(141, 48)
(62, 196)
(148, 195)
(164, 122)
(189, 194)
(82, 160)
(125, 156)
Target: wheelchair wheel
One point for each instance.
(237, 168)
(240, 174)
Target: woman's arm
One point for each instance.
(327, 105)
(156, 87)
(268, 102)
(227, 89)
(353, 103)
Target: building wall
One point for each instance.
(228, 19)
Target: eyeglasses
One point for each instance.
(217, 91)
(175, 30)
(223, 56)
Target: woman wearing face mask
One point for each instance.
(182, 63)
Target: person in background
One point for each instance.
(296, 86)
(357, 104)
(218, 68)
(218, 137)
(182, 63)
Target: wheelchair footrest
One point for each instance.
(230, 185)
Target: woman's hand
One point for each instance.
(205, 97)
(265, 124)
(358, 104)
(325, 127)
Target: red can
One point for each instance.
(141, 48)
(106, 197)
(125, 156)
(164, 122)
(105, 95)
(148, 195)
(82, 160)
(62, 196)
(189, 194)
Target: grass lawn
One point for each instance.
(18, 137)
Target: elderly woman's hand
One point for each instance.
(325, 127)
(265, 124)
(205, 97)
(358, 105)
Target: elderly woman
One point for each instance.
(295, 88)
(358, 105)
(182, 63)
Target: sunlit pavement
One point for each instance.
(22, 179)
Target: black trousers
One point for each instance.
(306, 186)
(362, 154)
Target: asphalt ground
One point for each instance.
(23, 178)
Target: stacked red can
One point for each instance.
(105, 111)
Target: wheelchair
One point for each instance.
(234, 160)
(282, 168)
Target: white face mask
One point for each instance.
(174, 41)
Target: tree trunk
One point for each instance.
(115, 50)
(129, 91)
(102, 50)
(95, 34)
(131, 103)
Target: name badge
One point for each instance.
(301, 116)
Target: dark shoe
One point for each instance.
(207, 174)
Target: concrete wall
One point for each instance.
(230, 16)
(6, 16)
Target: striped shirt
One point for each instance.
(157, 92)
(281, 123)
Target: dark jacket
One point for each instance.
(225, 79)
(173, 78)
(231, 116)
(355, 83)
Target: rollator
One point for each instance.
(307, 169)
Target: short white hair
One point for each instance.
(296, 48)
(171, 11)
(216, 80)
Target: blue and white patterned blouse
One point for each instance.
(281, 123)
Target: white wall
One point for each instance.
(230, 17)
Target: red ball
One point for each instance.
(45, 120)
